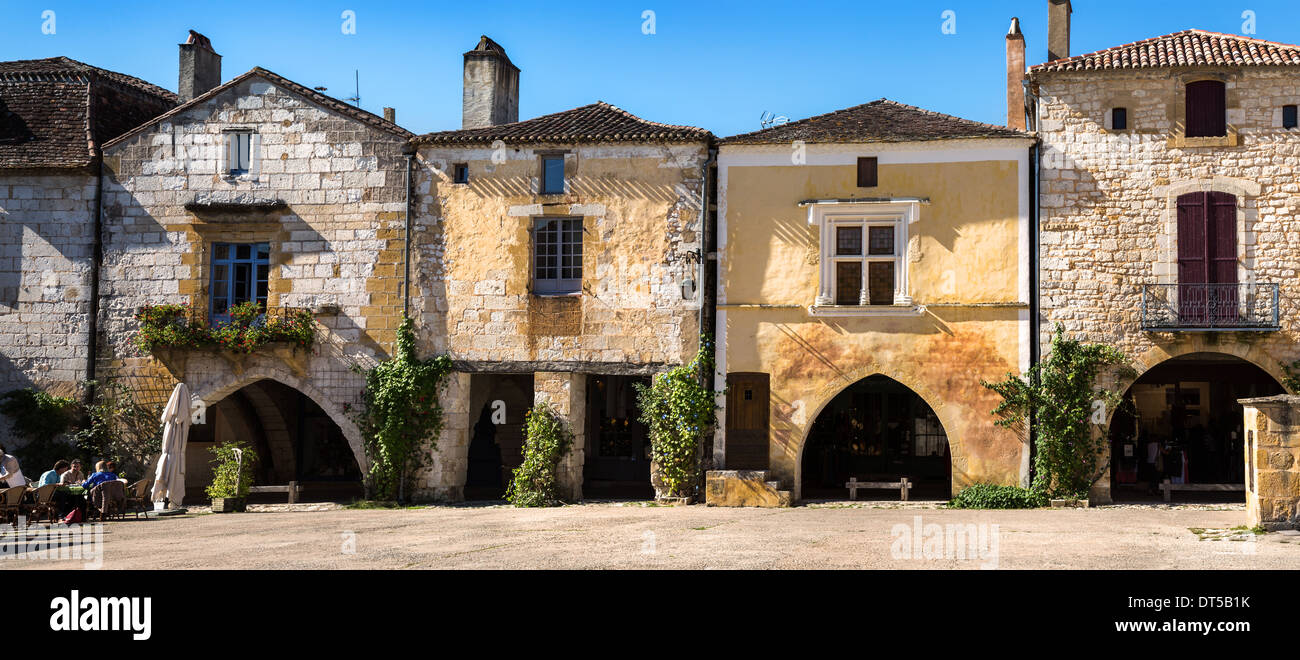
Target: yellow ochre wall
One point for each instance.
(966, 257)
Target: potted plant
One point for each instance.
(232, 475)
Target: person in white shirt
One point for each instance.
(10, 473)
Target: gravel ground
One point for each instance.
(641, 535)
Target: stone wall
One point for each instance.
(337, 239)
(1273, 461)
(1108, 220)
(46, 251)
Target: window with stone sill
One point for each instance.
(863, 255)
(240, 152)
(557, 256)
(240, 272)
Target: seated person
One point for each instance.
(51, 477)
(10, 473)
(73, 475)
(108, 472)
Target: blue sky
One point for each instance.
(718, 65)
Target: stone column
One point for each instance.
(444, 479)
(566, 393)
(1272, 455)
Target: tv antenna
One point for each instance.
(356, 96)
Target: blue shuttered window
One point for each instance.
(239, 274)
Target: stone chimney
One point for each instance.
(491, 93)
(1015, 76)
(390, 114)
(200, 68)
(1058, 29)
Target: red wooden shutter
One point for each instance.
(1193, 257)
(1221, 237)
(867, 172)
(1206, 109)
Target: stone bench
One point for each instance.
(292, 489)
(1167, 486)
(903, 485)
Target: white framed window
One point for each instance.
(863, 255)
(241, 153)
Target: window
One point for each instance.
(239, 275)
(1288, 116)
(864, 278)
(461, 173)
(557, 256)
(1206, 109)
(239, 152)
(553, 175)
(867, 172)
(1119, 119)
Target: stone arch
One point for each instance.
(275, 428)
(217, 390)
(1157, 355)
(827, 393)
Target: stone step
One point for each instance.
(744, 488)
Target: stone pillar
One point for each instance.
(566, 393)
(444, 479)
(1272, 455)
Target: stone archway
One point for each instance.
(211, 388)
(797, 427)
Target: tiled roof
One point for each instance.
(598, 122)
(53, 111)
(878, 121)
(312, 95)
(1186, 48)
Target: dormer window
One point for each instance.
(1206, 109)
(239, 152)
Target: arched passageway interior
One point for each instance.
(294, 438)
(1182, 422)
(876, 430)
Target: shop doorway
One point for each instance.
(1182, 422)
(617, 460)
(876, 430)
(499, 403)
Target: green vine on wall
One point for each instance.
(1291, 376)
(680, 411)
(400, 415)
(546, 441)
(174, 326)
(1058, 396)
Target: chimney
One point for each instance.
(491, 93)
(200, 68)
(1015, 76)
(390, 115)
(1058, 29)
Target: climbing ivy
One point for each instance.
(680, 411)
(1058, 398)
(546, 441)
(40, 418)
(400, 415)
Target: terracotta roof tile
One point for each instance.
(598, 122)
(878, 121)
(1186, 48)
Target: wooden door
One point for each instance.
(748, 402)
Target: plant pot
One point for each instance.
(228, 505)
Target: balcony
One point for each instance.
(1210, 307)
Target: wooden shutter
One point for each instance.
(1193, 253)
(1221, 237)
(1206, 109)
(867, 172)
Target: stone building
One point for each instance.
(55, 116)
(874, 265)
(263, 190)
(560, 262)
(1169, 180)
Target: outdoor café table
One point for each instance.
(70, 497)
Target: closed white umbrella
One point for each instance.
(169, 477)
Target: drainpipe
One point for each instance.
(1035, 284)
(96, 262)
(406, 256)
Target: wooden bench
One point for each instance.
(292, 489)
(1167, 486)
(903, 485)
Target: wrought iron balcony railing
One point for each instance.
(1210, 307)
